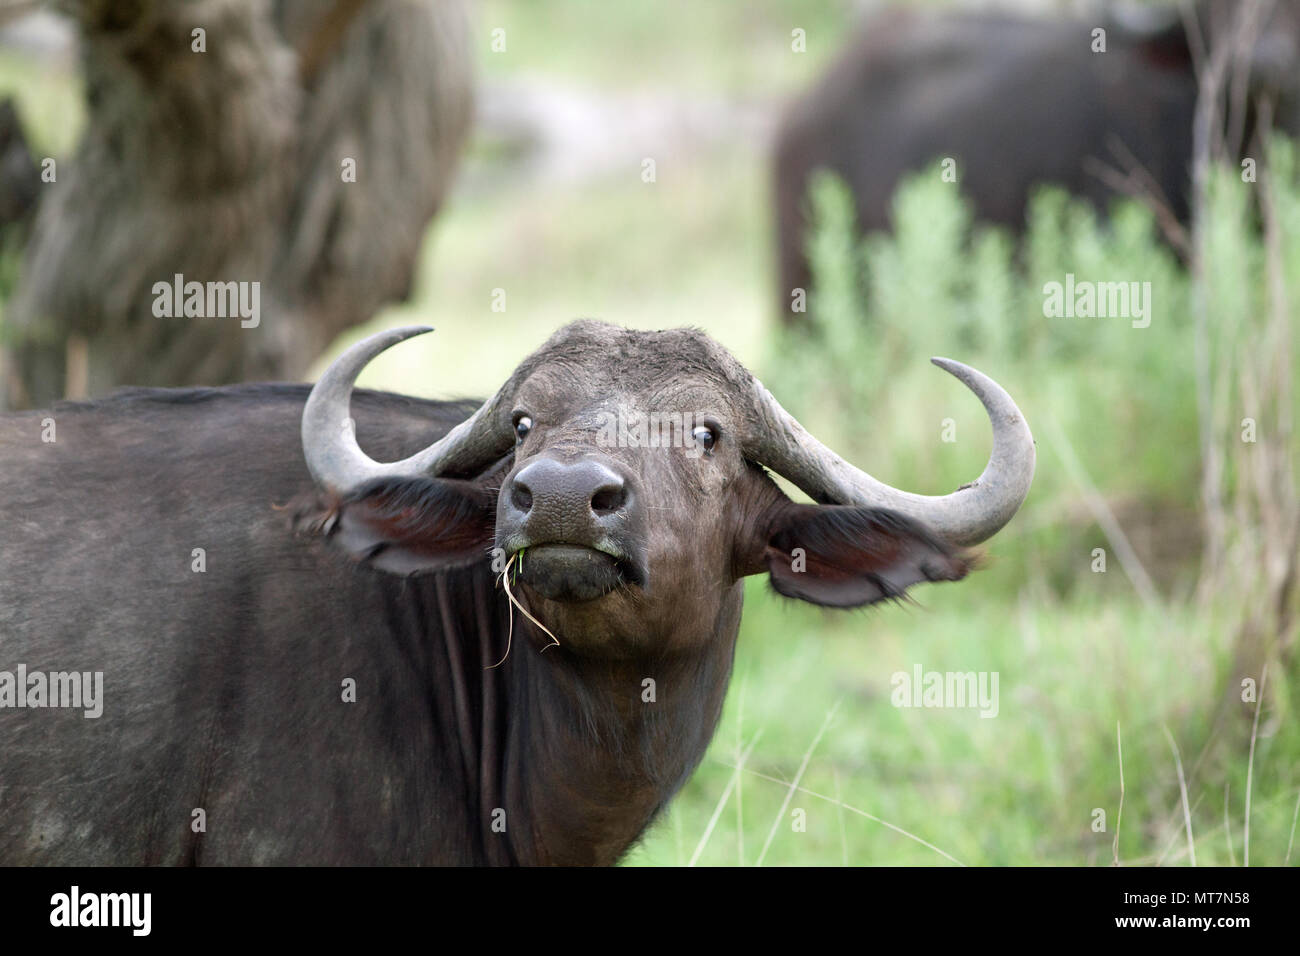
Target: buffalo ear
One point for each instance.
(843, 556)
(409, 525)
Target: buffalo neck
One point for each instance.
(575, 755)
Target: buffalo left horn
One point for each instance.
(971, 514)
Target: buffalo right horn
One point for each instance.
(329, 441)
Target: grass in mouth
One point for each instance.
(508, 576)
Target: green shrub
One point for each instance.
(1124, 398)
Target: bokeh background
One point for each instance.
(1113, 683)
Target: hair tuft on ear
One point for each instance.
(408, 525)
(843, 556)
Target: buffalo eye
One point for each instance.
(523, 425)
(705, 437)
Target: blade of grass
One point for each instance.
(1119, 818)
(1291, 842)
(1250, 765)
(1182, 788)
(1227, 826)
(722, 800)
(861, 813)
(740, 795)
(789, 794)
(839, 813)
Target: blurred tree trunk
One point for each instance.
(217, 139)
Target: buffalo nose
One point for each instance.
(567, 497)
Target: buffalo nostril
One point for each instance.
(520, 496)
(559, 499)
(609, 498)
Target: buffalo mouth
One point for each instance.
(572, 572)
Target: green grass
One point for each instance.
(1020, 788)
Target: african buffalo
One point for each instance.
(357, 692)
(1017, 102)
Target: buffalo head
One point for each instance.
(623, 476)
